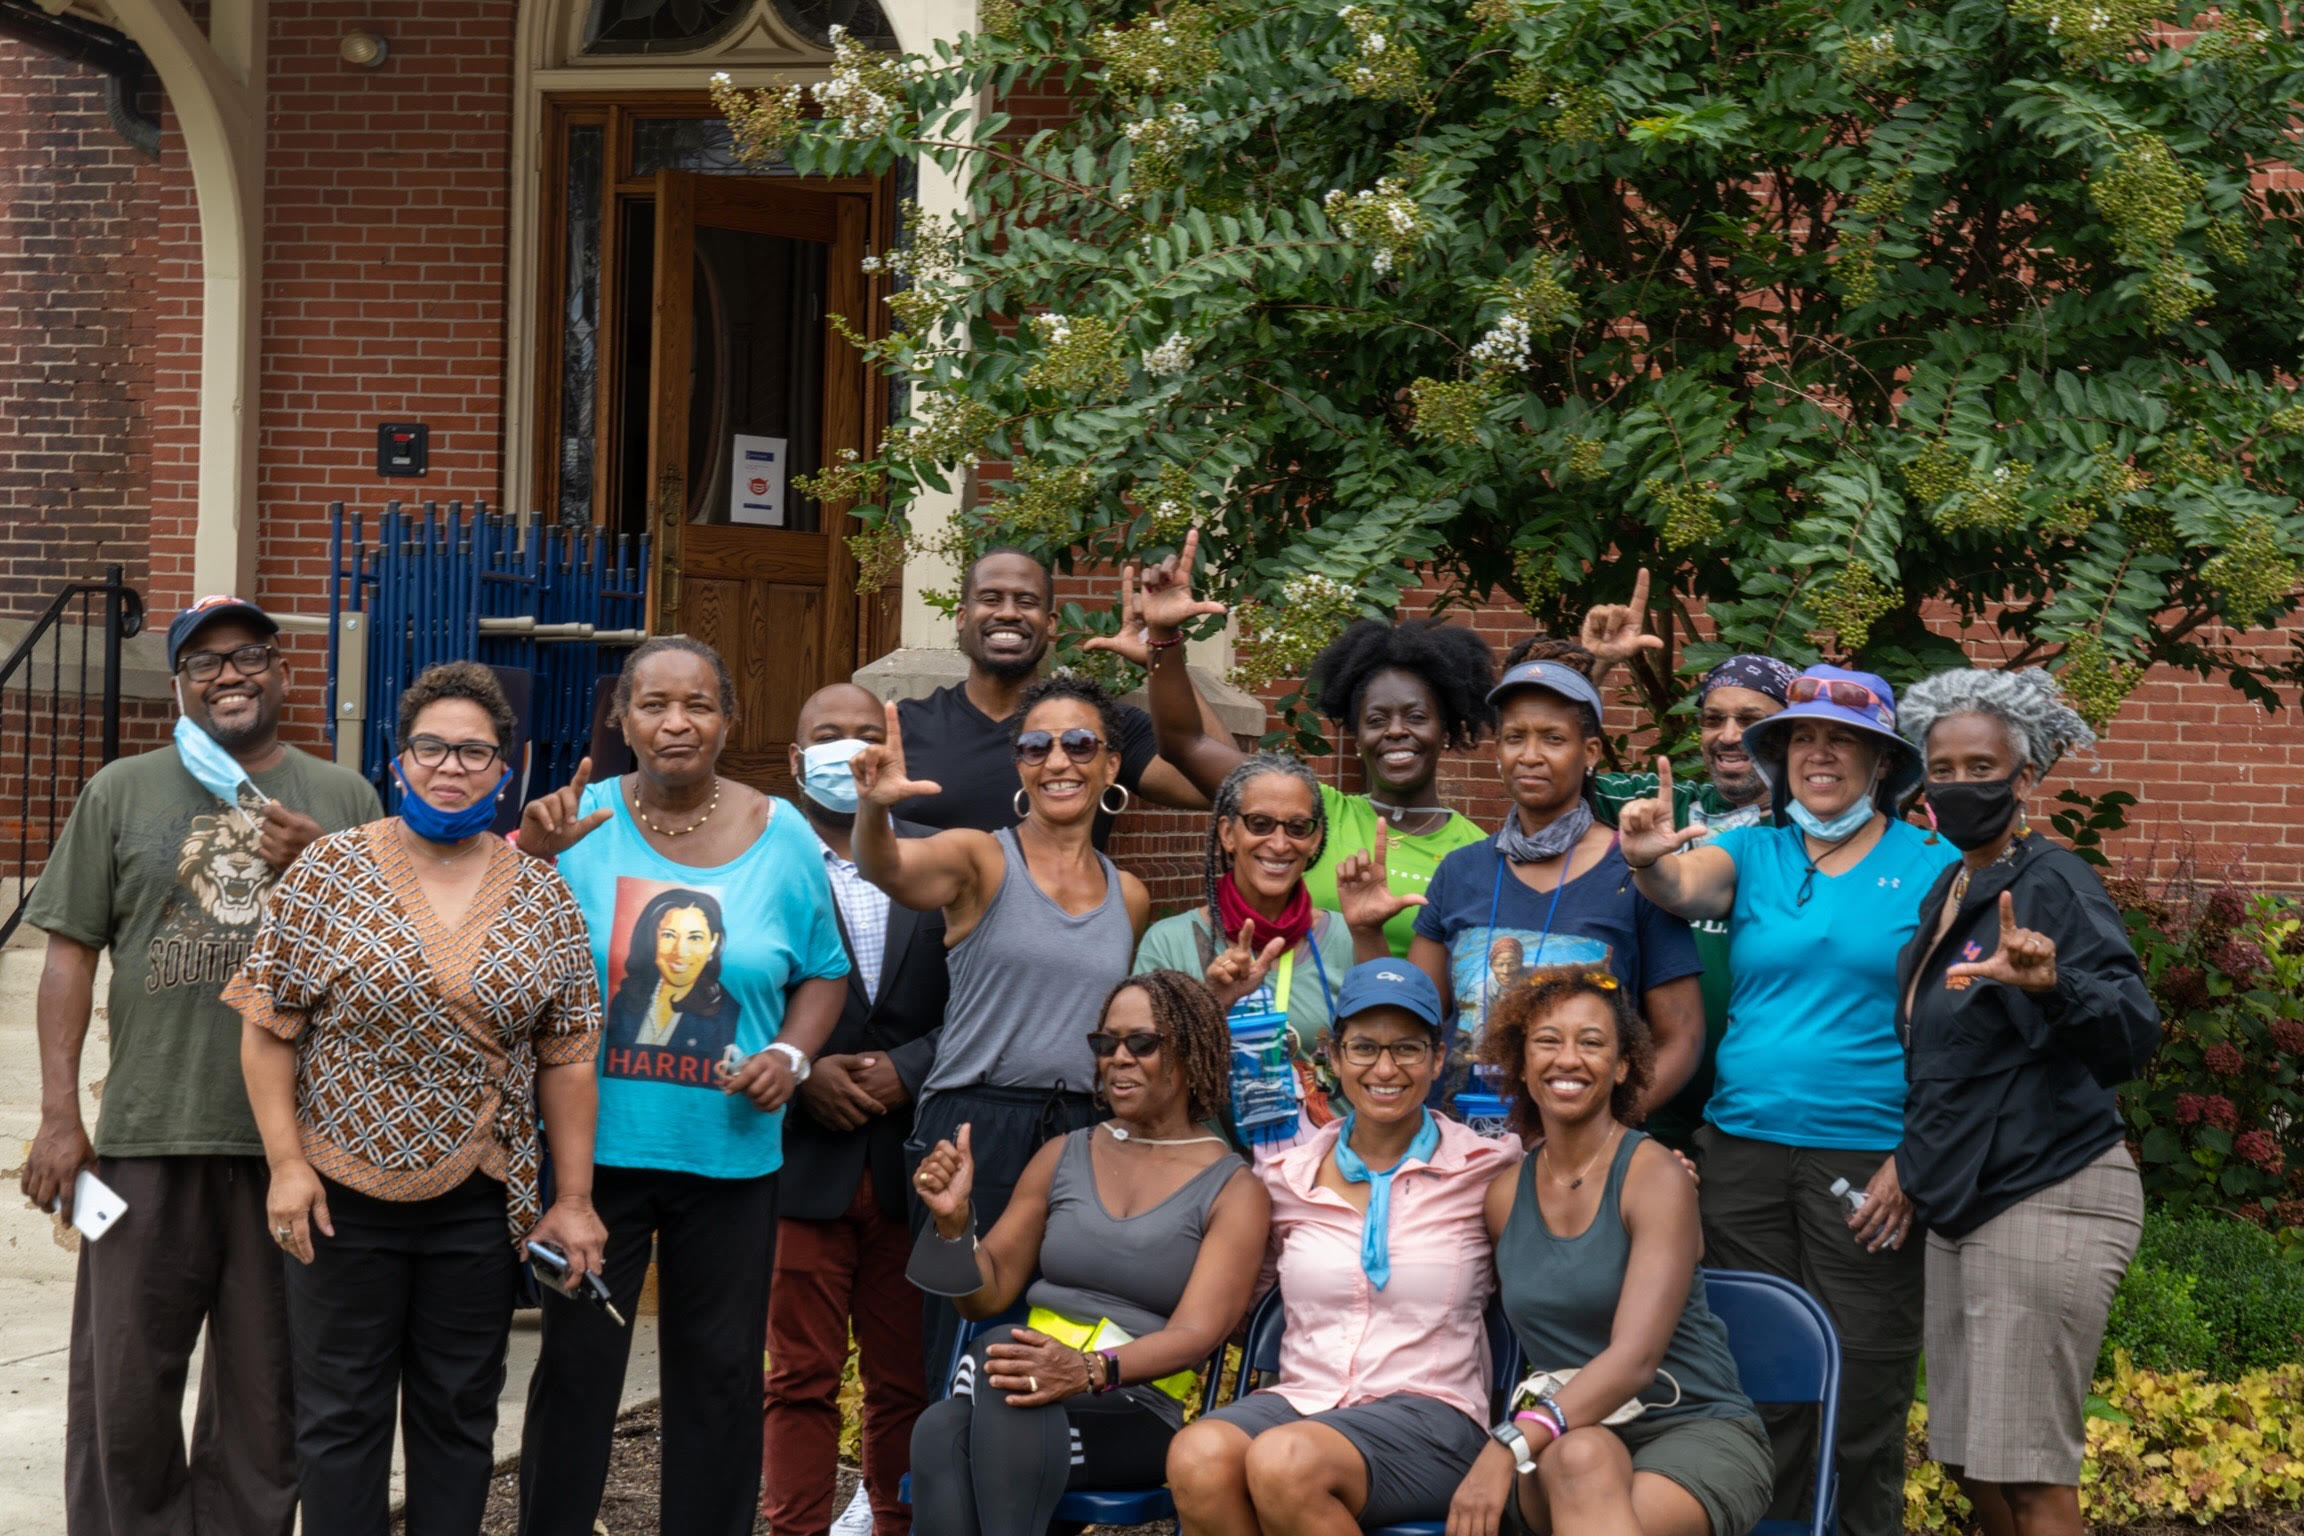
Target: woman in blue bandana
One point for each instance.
(1384, 1259)
(1808, 1106)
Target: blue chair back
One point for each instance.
(1786, 1351)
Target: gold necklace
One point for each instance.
(1960, 881)
(632, 798)
(1578, 1181)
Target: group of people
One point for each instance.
(909, 1051)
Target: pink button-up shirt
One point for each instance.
(1347, 1342)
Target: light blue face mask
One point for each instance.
(1844, 825)
(217, 770)
(824, 775)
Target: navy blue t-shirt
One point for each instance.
(1600, 921)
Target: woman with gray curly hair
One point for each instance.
(2022, 1009)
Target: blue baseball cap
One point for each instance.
(1553, 677)
(1388, 984)
(206, 612)
(1863, 702)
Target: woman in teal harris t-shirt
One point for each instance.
(1810, 1084)
(719, 953)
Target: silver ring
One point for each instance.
(283, 1233)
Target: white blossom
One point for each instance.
(1507, 344)
(1171, 358)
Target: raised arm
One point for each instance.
(924, 873)
(1180, 719)
(1697, 883)
(1004, 1261)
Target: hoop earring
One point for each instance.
(1021, 804)
(1104, 800)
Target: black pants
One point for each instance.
(715, 1247)
(1007, 1126)
(408, 1306)
(191, 1250)
(1771, 1208)
(982, 1468)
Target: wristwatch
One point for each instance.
(801, 1065)
(1515, 1439)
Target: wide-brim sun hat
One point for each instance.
(1766, 739)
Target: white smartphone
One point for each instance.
(95, 1205)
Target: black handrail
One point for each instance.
(123, 616)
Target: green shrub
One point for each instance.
(2208, 1293)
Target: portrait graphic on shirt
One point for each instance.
(209, 919)
(669, 1018)
(1485, 963)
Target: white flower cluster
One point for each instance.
(1171, 358)
(1384, 216)
(1507, 345)
(1315, 589)
(1054, 330)
(856, 92)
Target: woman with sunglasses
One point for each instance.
(1263, 948)
(1039, 926)
(416, 994)
(1380, 1405)
(713, 933)
(1136, 1244)
(1808, 1105)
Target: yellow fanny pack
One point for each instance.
(1105, 1334)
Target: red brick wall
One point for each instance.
(77, 221)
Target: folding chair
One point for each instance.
(1786, 1351)
(1262, 1357)
(1080, 1506)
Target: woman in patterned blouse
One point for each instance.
(416, 990)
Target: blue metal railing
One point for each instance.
(559, 603)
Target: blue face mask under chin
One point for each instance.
(217, 770)
(435, 825)
(1847, 824)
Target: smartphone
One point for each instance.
(95, 1205)
(551, 1267)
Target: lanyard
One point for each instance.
(1280, 988)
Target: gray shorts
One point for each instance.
(1417, 1448)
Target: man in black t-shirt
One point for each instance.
(959, 735)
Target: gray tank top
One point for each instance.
(1027, 984)
(1560, 1294)
(1094, 1264)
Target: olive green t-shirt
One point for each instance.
(169, 878)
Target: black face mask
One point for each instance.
(1972, 813)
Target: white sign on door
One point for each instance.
(756, 481)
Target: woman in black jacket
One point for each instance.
(2022, 1008)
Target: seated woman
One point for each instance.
(1384, 1264)
(1599, 1274)
(1145, 1232)
(1262, 946)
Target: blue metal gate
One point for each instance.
(559, 603)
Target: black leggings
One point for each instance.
(982, 1468)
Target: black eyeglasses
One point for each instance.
(247, 660)
(471, 756)
(1298, 828)
(1079, 743)
(1141, 1044)
(1362, 1051)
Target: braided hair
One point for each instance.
(1192, 1025)
(2030, 705)
(1449, 659)
(1227, 806)
(1568, 654)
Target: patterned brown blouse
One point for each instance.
(416, 1045)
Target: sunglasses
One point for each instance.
(471, 756)
(1079, 743)
(1362, 1051)
(1847, 695)
(247, 660)
(1142, 1044)
(1298, 828)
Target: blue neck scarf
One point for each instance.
(1375, 1235)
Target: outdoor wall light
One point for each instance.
(363, 49)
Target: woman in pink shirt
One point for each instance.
(1385, 1260)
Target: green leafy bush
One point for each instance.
(2208, 1292)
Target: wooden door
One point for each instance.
(748, 388)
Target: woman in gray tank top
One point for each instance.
(1135, 1242)
(1597, 1248)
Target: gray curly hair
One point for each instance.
(2030, 705)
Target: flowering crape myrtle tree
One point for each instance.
(1841, 314)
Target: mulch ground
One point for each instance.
(629, 1508)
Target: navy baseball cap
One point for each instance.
(207, 611)
(1388, 984)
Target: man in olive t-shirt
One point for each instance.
(172, 880)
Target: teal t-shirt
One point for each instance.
(1811, 1057)
(695, 965)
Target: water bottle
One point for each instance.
(1849, 1195)
(1264, 1087)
